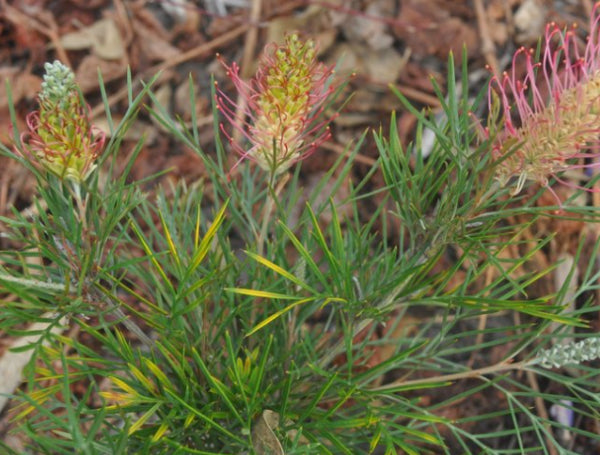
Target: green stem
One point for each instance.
(266, 221)
(81, 205)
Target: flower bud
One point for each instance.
(60, 138)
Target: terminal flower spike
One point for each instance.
(283, 116)
(59, 136)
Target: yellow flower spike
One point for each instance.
(284, 103)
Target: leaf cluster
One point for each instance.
(229, 316)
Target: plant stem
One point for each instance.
(497, 368)
(272, 194)
(29, 283)
(81, 205)
(266, 221)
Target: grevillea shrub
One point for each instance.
(399, 312)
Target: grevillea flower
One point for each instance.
(59, 136)
(551, 116)
(283, 105)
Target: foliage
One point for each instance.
(245, 314)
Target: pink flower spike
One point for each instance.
(284, 105)
(550, 116)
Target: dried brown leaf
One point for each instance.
(264, 439)
(86, 74)
(153, 47)
(103, 37)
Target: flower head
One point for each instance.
(283, 105)
(551, 116)
(570, 353)
(60, 137)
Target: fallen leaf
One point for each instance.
(86, 74)
(103, 37)
(23, 84)
(381, 66)
(530, 20)
(12, 363)
(314, 21)
(385, 65)
(449, 21)
(264, 440)
(368, 29)
(151, 44)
